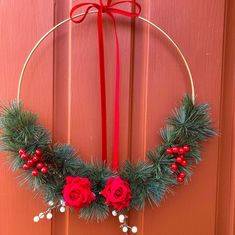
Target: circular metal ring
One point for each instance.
(92, 12)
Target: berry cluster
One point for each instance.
(35, 161)
(179, 154)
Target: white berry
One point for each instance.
(114, 213)
(124, 229)
(49, 215)
(121, 218)
(36, 219)
(50, 203)
(62, 202)
(62, 209)
(134, 229)
(41, 215)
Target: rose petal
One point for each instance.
(117, 193)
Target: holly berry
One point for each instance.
(34, 172)
(30, 162)
(174, 167)
(184, 163)
(186, 148)
(175, 149)
(179, 159)
(39, 165)
(181, 150)
(21, 151)
(42, 158)
(39, 152)
(182, 174)
(44, 170)
(35, 158)
(26, 166)
(180, 179)
(169, 151)
(182, 156)
(25, 156)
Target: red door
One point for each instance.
(61, 84)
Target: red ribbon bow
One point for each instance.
(109, 9)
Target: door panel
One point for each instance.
(22, 23)
(153, 80)
(161, 82)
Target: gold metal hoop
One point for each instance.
(92, 12)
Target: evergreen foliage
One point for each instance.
(149, 180)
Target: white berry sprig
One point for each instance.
(48, 212)
(123, 220)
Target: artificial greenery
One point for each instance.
(149, 180)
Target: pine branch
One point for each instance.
(149, 180)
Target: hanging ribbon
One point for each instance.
(110, 9)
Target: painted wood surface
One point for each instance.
(62, 85)
(22, 23)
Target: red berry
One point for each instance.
(25, 156)
(182, 156)
(39, 165)
(26, 166)
(174, 167)
(30, 162)
(39, 152)
(179, 159)
(21, 151)
(169, 151)
(44, 170)
(175, 149)
(184, 163)
(42, 158)
(34, 172)
(180, 179)
(186, 148)
(181, 151)
(35, 158)
(182, 174)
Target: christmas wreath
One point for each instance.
(92, 188)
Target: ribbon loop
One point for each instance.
(89, 5)
(110, 9)
(120, 11)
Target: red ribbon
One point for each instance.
(110, 9)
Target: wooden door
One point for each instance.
(61, 85)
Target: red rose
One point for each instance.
(117, 193)
(77, 192)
